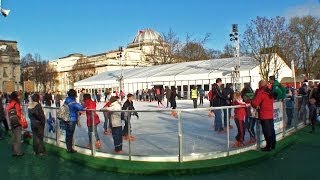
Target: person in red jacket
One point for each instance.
(239, 117)
(15, 127)
(263, 101)
(89, 104)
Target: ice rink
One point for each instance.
(157, 132)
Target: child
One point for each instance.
(289, 108)
(115, 118)
(239, 117)
(126, 116)
(89, 104)
(313, 114)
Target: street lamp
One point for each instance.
(4, 12)
(120, 78)
(234, 36)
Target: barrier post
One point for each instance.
(180, 136)
(93, 137)
(228, 132)
(57, 126)
(129, 135)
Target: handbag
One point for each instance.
(24, 123)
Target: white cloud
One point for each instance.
(312, 8)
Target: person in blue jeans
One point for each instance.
(74, 108)
(217, 101)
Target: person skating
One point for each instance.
(239, 117)
(126, 116)
(168, 95)
(201, 94)
(264, 100)
(227, 93)
(91, 116)
(173, 102)
(194, 96)
(217, 101)
(158, 96)
(115, 118)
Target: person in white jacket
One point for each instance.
(115, 118)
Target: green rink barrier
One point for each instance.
(171, 168)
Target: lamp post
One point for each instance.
(4, 12)
(234, 36)
(120, 78)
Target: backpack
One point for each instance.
(63, 112)
(13, 117)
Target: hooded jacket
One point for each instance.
(115, 116)
(264, 100)
(89, 104)
(35, 113)
(74, 108)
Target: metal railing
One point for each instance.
(162, 137)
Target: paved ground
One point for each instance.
(299, 161)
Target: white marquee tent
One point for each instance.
(181, 75)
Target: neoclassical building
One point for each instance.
(9, 66)
(135, 54)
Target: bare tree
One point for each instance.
(194, 49)
(34, 68)
(262, 39)
(165, 50)
(228, 51)
(307, 32)
(82, 70)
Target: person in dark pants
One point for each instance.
(227, 93)
(173, 102)
(168, 95)
(201, 93)
(37, 118)
(126, 116)
(15, 127)
(74, 109)
(264, 100)
(115, 118)
(289, 102)
(217, 101)
(313, 114)
(239, 117)
(48, 99)
(3, 118)
(194, 96)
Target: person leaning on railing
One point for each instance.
(74, 108)
(264, 101)
(38, 120)
(115, 118)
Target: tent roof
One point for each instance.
(184, 68)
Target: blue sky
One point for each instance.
(56, 28)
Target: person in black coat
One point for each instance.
(227, 93)
(217, 101)
(126, 116)
(37, 118)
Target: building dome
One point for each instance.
(146, 35)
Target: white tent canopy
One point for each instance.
(179, 74)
